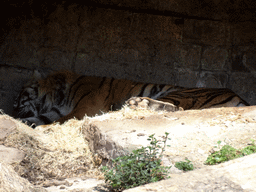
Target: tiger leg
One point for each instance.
(78, 114)
(148, 103)
(42, 119)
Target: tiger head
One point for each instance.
(27, 102)
(36, 97)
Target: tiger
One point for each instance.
(63, 95)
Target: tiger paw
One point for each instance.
(28, 123)
(147, 103)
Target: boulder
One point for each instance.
(10, 181)
(235, 175)
(194, 135)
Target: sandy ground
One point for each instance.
(194, 134)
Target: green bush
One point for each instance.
(248, 150)
(184, 165)
(227, 153)
(142, 166)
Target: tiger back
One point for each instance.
(203, 98)
(65, 95)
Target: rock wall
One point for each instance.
(159, 48)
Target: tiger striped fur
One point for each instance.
(64, 95)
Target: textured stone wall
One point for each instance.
(138, 46)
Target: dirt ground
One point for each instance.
(194, 135)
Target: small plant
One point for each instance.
(142, 166)
(248, 150)
(227, 153)
(184, 165)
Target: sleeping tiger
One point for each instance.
(65, 95)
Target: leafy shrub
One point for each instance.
(227, 153)
(142, 166)
(184, 165)
(248, 150)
